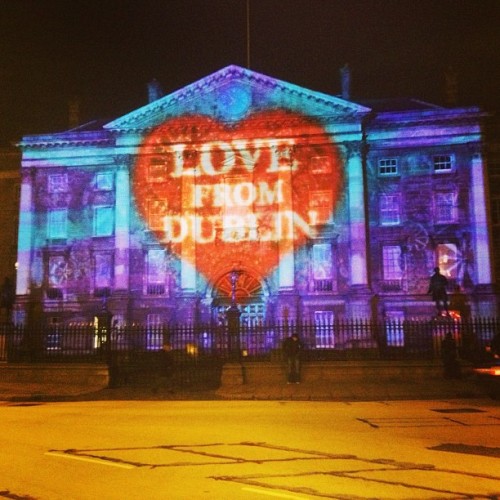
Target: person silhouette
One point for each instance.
(292, 347)
(7, 297)
(437, 289)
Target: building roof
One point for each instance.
(397, 104)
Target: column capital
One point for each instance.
(28, 174)
(476, 149)
(352, 149)
(122, 161)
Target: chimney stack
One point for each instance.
(345, 81)
(154, 91)
(73, 113)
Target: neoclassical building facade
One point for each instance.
(240, 187)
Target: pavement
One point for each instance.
(317, 390)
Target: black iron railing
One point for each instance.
(340, 339)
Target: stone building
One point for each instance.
(240, 187)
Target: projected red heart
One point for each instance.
(251, 193)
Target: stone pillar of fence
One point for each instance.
(233, 330)
(360, 312)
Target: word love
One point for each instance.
(220, 157)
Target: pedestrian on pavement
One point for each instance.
(7, 297)
(292, 348)
(451, 364)
(437, 289)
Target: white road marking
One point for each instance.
(272, 493)
(92, 460)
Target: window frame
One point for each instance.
(96, 232)
(441, 208)
(392, 168)
(107, 282)
(156, 279)
(449, 267)
(438, 161)
(104, 181)
(391, 272)
(52, 223)
(388, 212)
(57, 187)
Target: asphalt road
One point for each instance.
(250, 450)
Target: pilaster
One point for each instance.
(358, 273)
(122, 223)
(25, 237)
(481, 234)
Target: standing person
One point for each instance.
(7, 297)
(449, 356)
(292, 347)
(437, 289)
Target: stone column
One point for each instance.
(122, 225)
(188, 245)
(481, 235)
(484, 300)
(25, 236)
(358, 273)
(286, 266)
(360, 296)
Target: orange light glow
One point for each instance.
(252, 192)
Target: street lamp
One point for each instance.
(235, 274)
(233, 317)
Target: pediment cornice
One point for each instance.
(328, 108)
(65, 140)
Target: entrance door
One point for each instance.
(249, 299)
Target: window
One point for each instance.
(323, 326)
(320, 165)
(157, 171)
(57, 224)
(103, 221)
(322, 267)
(154, 337)
(448, 260)
(251, 314)
(394, 330)
(156, 272)
(391, 260)
(58, 183)
(53, 335)
(156, 213)
(104, 181)
(58, 275)
(388, 166)
(442, 163)
(322, 261)
(320, 206)
(103, 273)
(389, 209)
(445, 207)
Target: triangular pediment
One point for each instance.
(233, 93)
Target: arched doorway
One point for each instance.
(249, 298)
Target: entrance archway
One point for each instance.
(249, 298)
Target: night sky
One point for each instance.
(105, 52)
